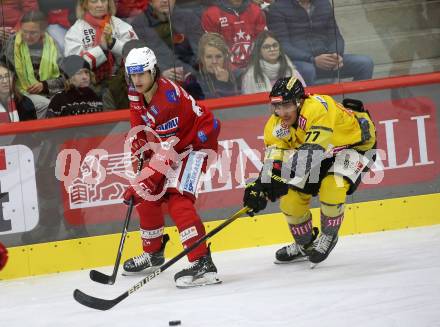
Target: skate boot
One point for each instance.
(295, 252)
(200, 273)
(322, 247)
(146, 262)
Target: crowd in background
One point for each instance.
(64, 57)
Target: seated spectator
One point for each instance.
(13, 105)
(239, 22)
(130, 8)
(177, 48)
(60, 17)
(35, 55)
(98, 36)
(215, 78)
(11, 12)
(115, 97)
(268, 64)
(306, 30)
(77, 98)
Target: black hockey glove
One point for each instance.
(277, 186)
(254, 197)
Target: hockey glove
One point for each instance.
(3, 256)
(277, 186)
(254, 197)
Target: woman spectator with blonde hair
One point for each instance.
(216, 77)
(268, 63)
(98, 36)
(14, 106)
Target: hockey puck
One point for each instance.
(174, 323)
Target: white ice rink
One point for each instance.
(381, 279)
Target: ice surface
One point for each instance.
(381, 279)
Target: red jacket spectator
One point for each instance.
(11, 11)
(238, 24)
(130, 8)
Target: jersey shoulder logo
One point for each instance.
(323, 102)
(171, 96)
(302, 121)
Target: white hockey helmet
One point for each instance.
(140, 60)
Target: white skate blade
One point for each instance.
(142, 272)
(206, 279)
(300, 259)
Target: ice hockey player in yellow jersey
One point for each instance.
(314, 146)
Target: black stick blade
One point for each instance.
(96, 303)
(99, 277)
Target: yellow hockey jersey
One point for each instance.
(321, 121)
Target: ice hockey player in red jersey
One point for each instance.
(3, 256)
(174, 134)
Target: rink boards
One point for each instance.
(53, 225)
(85, 253)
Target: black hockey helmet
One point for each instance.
(287, 89)
(72, 64)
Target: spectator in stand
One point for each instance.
(13, 105)
(35, 56)
(216, 78)
(239, 22)
(126, 9)
(306, 30)
(60, 17)
(77, 98)
(98, 36)
(268, 64)
(115, 97)
(11, 12)
(176, 43)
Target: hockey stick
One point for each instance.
(103, 304)
(100, 277)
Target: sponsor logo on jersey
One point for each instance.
(133, 98)
(302, 121)
(169, 126)
(171, 96)
(154, 110)
(202, 136)
(281, 132)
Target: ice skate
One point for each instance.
(200, 273)
(294, 252)
(146, 262)
(322, 247)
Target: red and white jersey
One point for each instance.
(239, 29)
(173, 112)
